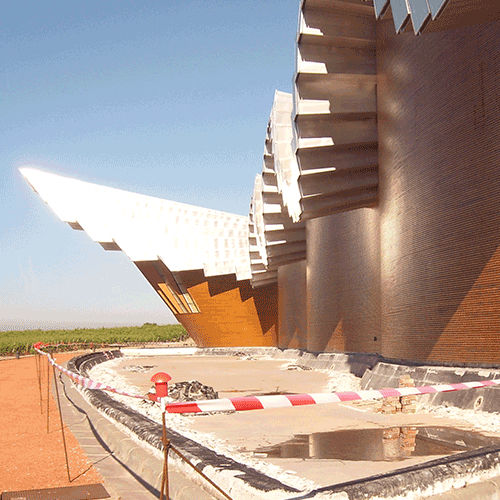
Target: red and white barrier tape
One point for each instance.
(266, 402)
(87, 382)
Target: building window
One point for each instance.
(174, 293)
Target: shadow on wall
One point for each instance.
(343, 282)
(292, 306)
(266, 304)
(231, 312)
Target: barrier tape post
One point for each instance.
(48, 391)
(62, 424)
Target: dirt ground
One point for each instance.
(30, 457)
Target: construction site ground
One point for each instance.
(251, 433)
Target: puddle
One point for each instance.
(390, 444)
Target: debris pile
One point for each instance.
(191, 391)
(139, 368)
(301, 368)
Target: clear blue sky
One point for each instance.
(169, 99)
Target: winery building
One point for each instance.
(374, 224)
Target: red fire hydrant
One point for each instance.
(160, 380)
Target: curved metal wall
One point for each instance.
(292, 310)
(343, 282)
(439, 166)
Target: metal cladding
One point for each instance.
(419, 11)
(280, 135)
(335, 112)
(274, 239)
(183, 237)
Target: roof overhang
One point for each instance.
(184, 237)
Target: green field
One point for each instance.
(21, 342)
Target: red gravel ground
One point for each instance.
(29, 457)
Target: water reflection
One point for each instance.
(391, 444)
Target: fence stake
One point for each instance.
(48, 391)
(39, 376)
(62, 425)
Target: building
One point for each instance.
(375, 223)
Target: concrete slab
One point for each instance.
(253, 432)
(344, 477)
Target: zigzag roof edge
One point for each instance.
(272, 242)
(285, 161)
(185, 237)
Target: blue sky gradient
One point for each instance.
(169, 99)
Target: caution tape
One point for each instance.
(267, 402)
(284, 401)
(84, 381)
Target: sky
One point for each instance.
(164, 98)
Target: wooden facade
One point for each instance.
(219, 310)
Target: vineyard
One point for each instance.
(21, 342)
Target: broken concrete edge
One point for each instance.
(141, 464)
(218, 467)
(425, 479)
